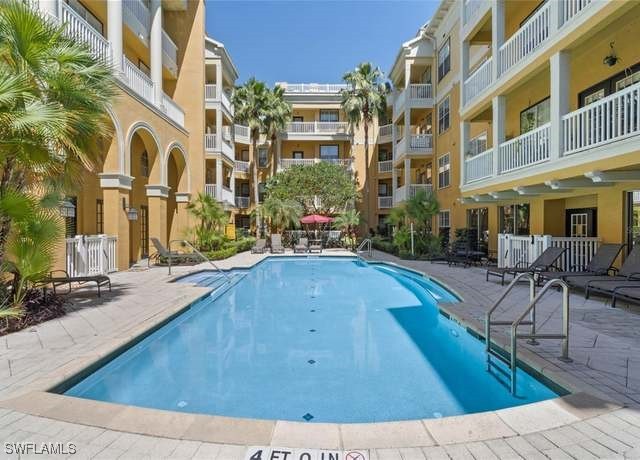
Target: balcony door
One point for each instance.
(632, 219)
(581, 222)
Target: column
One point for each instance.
(407, 73)
(218, 81)
(219, 129)
(465, 128)
(116, 222)
(219, 179)
(278, 155)
(497, 35)
(407, 175)
(114, 33)
(559, 103)
(155, 48)
(499, 108)
(158, 219)
(464, 70)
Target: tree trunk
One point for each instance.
(367, 176)
(254, 170)
(274, 151)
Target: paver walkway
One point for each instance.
(604, 346)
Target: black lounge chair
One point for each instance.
(56, 281)
(301, 246)
(601, 264)
(176, 257)
(628, 292)
(315, 247)
(629, 271)
(542, 264)
(276, 244)
(260, 247)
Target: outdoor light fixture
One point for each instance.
(132, 213)
(67, 208)
(611, 59)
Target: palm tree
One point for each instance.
(281, 213)
(250, 104)
(348, 220)
(211, 220)
(278, 114)
(362, 102)
(54, 98)
(420, 209)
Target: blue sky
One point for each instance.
(313, 41)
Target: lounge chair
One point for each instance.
(276, 244)
(315, 247)
(629, 293)
(260, 247)
(600, 264)
(301, 246)
(176, 257)
(64, 278)
(541, 264)
(629, 271)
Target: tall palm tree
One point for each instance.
(362, 102)
(54, 98)
(250, 103)
(281, 213)
(277, 115)
(211, 219)
(348, 220)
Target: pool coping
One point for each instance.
(38, 400)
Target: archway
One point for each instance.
(177, 176)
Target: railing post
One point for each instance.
(559, 104)
(497, 34)
(104, 262)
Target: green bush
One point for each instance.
(224, 253)
(244, 244)
(383, 244)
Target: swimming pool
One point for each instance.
(312, 339)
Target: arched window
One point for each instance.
(144, 164)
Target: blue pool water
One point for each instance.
(315, 339)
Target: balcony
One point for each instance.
(212, 93)
(241, 166)
(409, 191)
(224, 195)
(385, 202)
(385, 134)
(478, 81)
(302, 130)
(286, 163)
(414, 145)
(136, 16)
(169, 54)
(214, 144)
(172, 110)
(241, 134)
(415, 96)
(385, 166)
(473, 10)
(528, 149)
(479, 166)
(312, 88)
(242, 202)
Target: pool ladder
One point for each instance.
(201, 255)
(521, 321)
(365, 246)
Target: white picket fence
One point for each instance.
(521, 250)
(91, 255)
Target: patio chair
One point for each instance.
(600, 264)
(628, 293)
(301, 246)
(315, 247)
(629, 271)
(541, 264)
(260, 247)
(176, 256)
(276, 244)
(56, 281)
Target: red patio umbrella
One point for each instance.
(316, 219)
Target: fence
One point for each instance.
(91, 255)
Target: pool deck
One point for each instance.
(600, 420)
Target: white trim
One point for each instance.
(115, 180)
(165, 169)
(161, 191)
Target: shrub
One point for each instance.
(382, 244)
(224, 253)
(244, 244)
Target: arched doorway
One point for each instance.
(178, 182)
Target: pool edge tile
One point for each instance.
(467, 428)
(307, 435)
(410, 433)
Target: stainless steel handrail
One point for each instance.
(205, 258)
(366, 242)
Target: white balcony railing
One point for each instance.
(421, 143)
(289, 162)
(521, 250)
(571, 8)
(136, 15)
(478, 81)
(471, 9)
(420, 91)
(169, 53)
(242, 202)
(210, 189)
(610, 119)
(241, 133)
(172, 110)
(385, 133)
(525, 150)
(91, 255)
(80, 30)
(409, 191)
(241, 166)
(226, 101)
(398, 102)
(385, 166)
(317, 127)
(210, 141)
(138, 81)
(527, 39)
(385, 202)
(312, 87)
(210, 92)
(479, 166)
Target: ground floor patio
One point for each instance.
(604, 346)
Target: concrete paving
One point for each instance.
(604, 345)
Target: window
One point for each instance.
(444, 60)
(535, 116)
(244, 189)
(514, 219)
(384, 155)
(144, 230)
(144, 164)
(478, 144)
(628, 81)
(444, 173)
(244, 155)
(383, 189)
(329, 152)
(85, 14)
(261, 191)
(443, 115)
(71, 223)
(298, 155)
(478, 229)
(610, 85)
(444, 219)
(297, 119)
(263, 158)
(99, 217)
(329, 115)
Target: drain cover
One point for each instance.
(311, 361)
(307, 416)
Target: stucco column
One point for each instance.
(559, 104)
(114, 33)
(219, 81)
(155, 48)
(407, 174)
(499, 109)
(497, 34)
(219, 179)
(465, 128)
(157, 196)
(116, 222)
(464, 69)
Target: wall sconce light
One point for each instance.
(611, 59)
(132, 213)
(67, 208)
